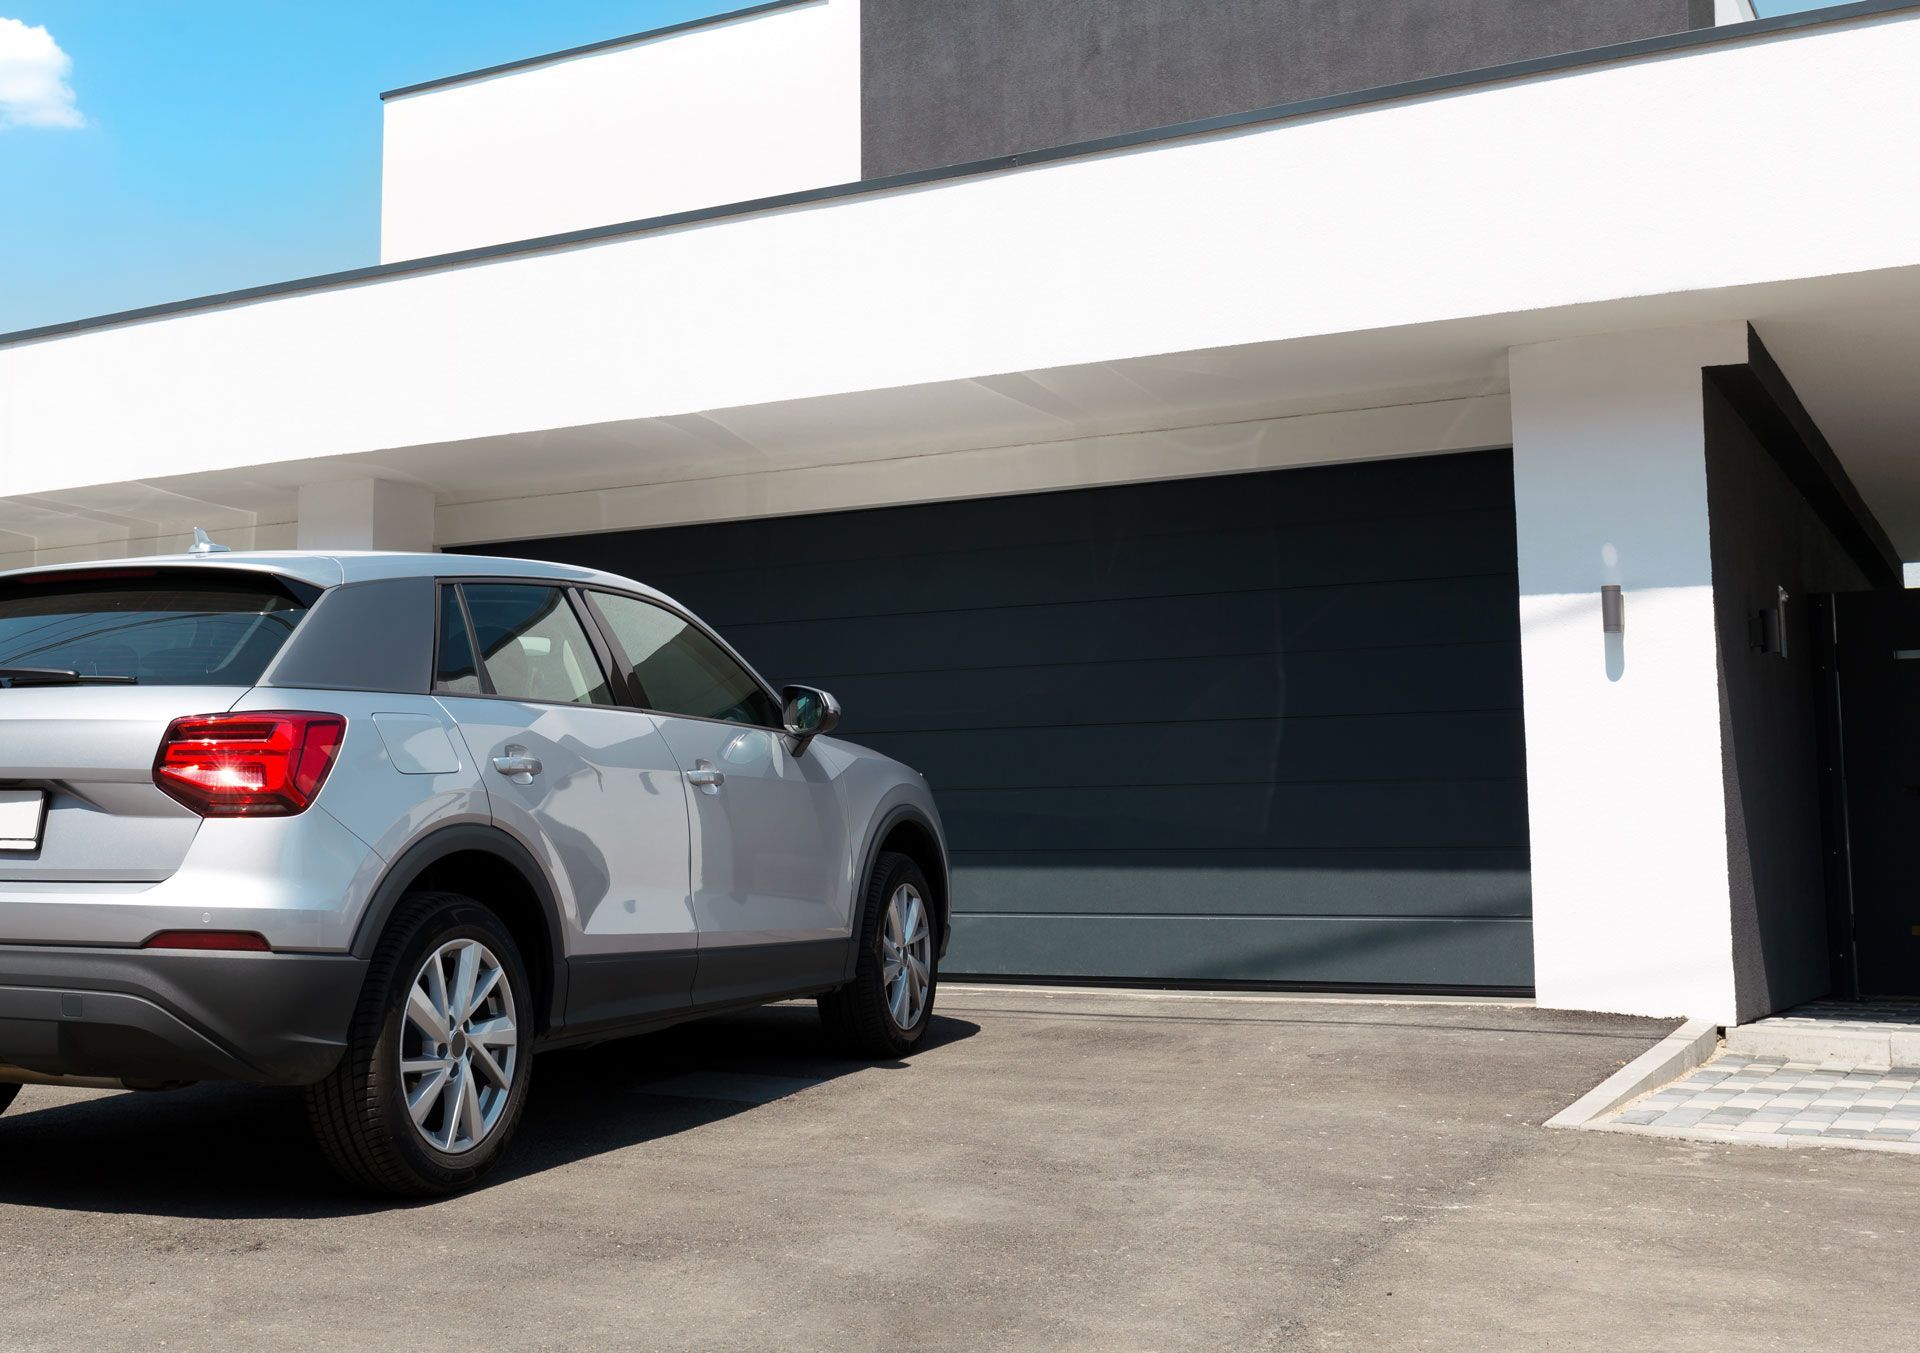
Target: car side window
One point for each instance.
(455, 671)
(533, 645)
(679, 670)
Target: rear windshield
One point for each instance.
(157, 628)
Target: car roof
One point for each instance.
(330, 568)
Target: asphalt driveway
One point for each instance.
(1081, 1171)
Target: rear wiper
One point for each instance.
(60, 676)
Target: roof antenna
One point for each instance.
(203, 544)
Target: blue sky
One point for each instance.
(232, 142)
(223, 143)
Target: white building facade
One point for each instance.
(1216, 504)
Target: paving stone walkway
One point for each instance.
(1772, 1096)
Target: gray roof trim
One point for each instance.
(1595, 56)
(587, 49)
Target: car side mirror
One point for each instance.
(807, 712)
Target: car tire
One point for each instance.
(363, 1114)
(8, 1093)
(867, 1017)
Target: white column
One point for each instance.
(365, 514)
(1624, 790)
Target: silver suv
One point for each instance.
(386, 825)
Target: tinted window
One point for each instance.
(160, 628)
(533, 645)
(679, 670)
(456, 671)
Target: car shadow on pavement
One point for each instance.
(232, 1152)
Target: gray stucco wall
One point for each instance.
(948, 81)
(1766, 535)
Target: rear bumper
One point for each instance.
(150, 1017)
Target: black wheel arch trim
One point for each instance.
(460, 838)
(870, 854)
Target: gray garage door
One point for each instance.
(1260, 728)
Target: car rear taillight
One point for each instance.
(268, 764)
(225, 941)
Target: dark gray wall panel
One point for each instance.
(1764, 536)
(948, 81)
(1261, 699)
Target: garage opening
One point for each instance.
(1260, 729)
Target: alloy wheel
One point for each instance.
(906, 953)
(459, 1046)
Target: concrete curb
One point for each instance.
(1793, 1142)
(1863, 1046)
(1671, 1058)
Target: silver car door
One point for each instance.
(592, 788)
(771, 857)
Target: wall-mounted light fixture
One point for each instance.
(1613, 610)
(1767, 627)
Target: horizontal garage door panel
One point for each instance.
(1275, 502)
(1357, 683)
(1260, 727)
(1408, 613)
(1334, 951)
(1239, 817)
(1477, 745)
(1407, 883)
(1318, 555)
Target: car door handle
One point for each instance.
(705, 776)
(517, 766)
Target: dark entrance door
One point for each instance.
(1877, 683)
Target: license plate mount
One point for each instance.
(23, 815)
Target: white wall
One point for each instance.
(365, 514)
(1625, 794)
(723, 113)
(1569, 191)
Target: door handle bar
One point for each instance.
(518, 767)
